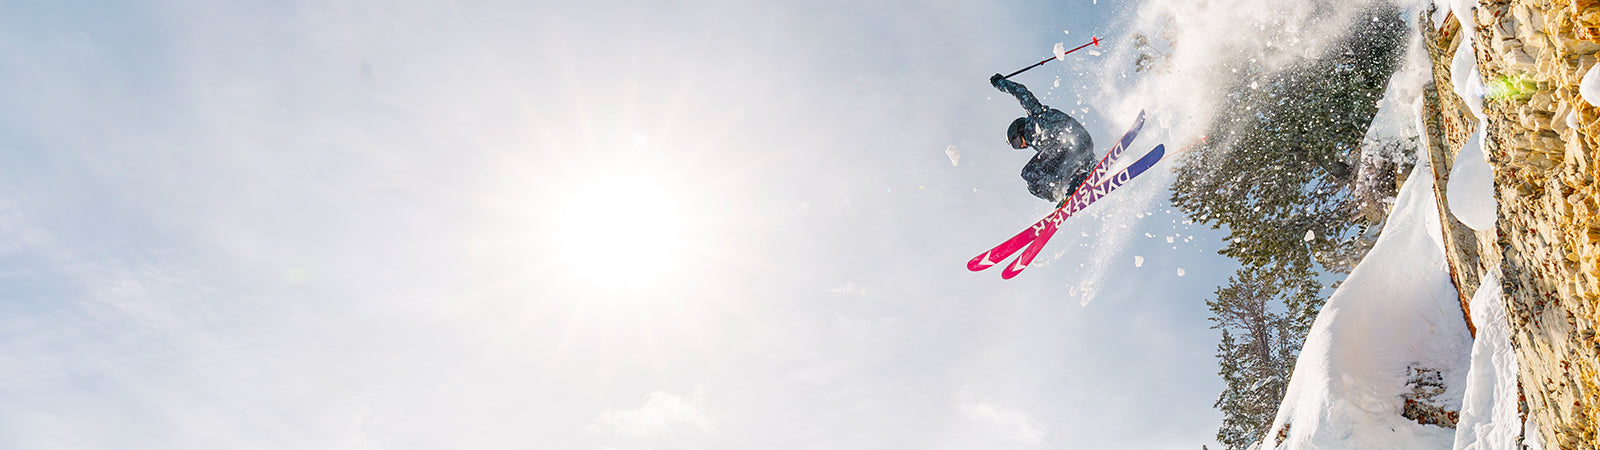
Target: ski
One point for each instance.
(1011, 246)
(1116, 151)
(1078, 203)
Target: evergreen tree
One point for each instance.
(1280, 169)
(1256, 354)
(1277, 161)
(1234, 433)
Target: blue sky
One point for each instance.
(575, 225)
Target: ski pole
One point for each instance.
(1095, 41)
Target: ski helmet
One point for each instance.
(1016, 135)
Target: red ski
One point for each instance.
(1078, 203)
(1039, 234)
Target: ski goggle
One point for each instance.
(1019, 142)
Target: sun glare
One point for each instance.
(621, 228)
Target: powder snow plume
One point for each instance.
(1174, 61)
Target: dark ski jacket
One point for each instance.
(1065, 151)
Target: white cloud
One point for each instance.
(663, 414)
(1010, 424)
(849, 288)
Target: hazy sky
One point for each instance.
(579, 225)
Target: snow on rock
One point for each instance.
(1589, 88)
(954, 154)
(1441, 10)
(1489, 409)
(1464, 74)
(1396, 314)
(1471, 189)
(1530, 433)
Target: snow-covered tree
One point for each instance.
(1277, 161)
(1280, 170)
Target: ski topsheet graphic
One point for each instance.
(1078, 203)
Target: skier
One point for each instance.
(1065, 153)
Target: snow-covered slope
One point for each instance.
(1397, 312)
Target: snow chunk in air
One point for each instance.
(954, 154)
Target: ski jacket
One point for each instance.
(1065, 151)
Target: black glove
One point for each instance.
(995, 80)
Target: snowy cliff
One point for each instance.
(1502, 217)
(1539, 137)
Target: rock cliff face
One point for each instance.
(1541, 141)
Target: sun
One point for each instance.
(623, 224)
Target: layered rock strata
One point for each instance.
(1540, 139)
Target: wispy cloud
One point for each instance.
(849, 288)
(664, 414)
(1009, 424)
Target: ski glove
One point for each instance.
(995, 81)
